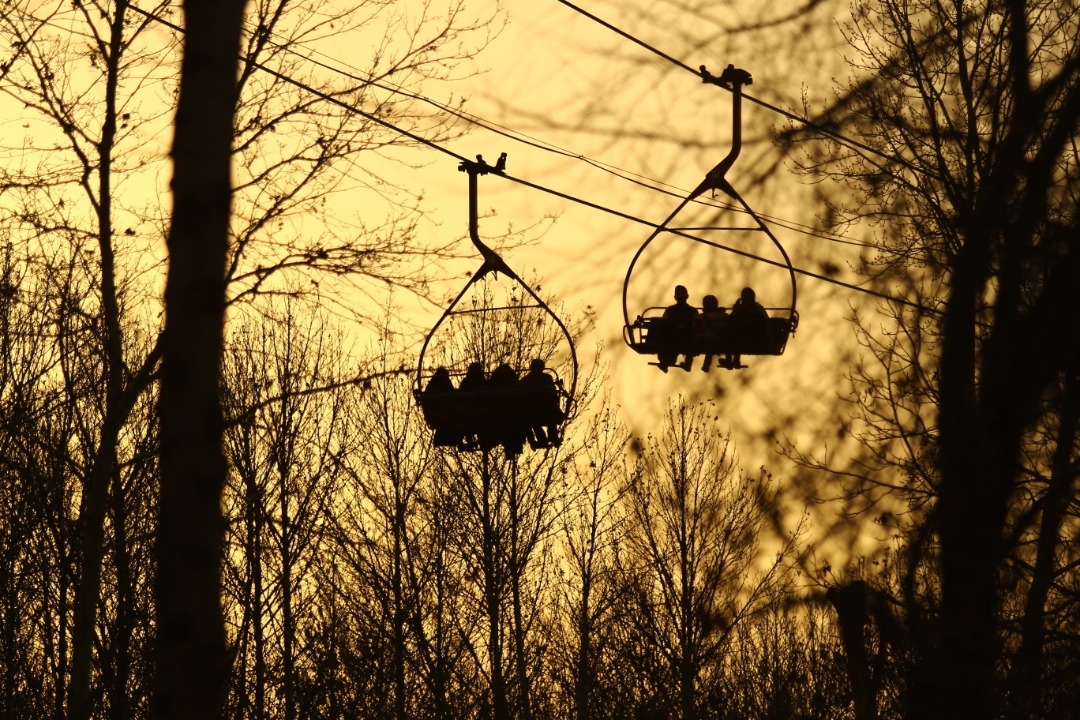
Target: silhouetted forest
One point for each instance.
(362, 571)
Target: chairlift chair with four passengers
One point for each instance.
(501, 405)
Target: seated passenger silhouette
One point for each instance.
(437, 402)
(503, 376)
(470, 403)
(709, 329)
(749, 328)
(474, 378)
(675, 328)
(544, 414)
(440, 383)
(503, 407)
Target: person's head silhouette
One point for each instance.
(681, 293)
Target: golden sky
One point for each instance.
(614, 123)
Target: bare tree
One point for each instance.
(970, 412)
(506, 501)
(286, 444)
(313, 216)
(68, 194)
(785, 663)
(396, 552)
(40, 438)
(591, 530)
(95, 85)
(694, 557)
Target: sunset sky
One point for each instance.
(602, 120)
(232, 485)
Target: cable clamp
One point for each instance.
(480, 166)
(730, 77)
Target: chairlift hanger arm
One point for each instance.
(492, 261)
(732, 79)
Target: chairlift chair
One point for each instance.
(480, 416)
(644, 335)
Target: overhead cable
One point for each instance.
(703, 74)
(644, 181)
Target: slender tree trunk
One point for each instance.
(8, 624)
(440, 671)
(103, 468)
(122, 626)
(91, 541)
(492, 596)
(255, 601)
(687, 680)
(1029, 664)
(687, 641)
(500, 708)
(583, 677)
(191, 662)
(63, 562)
(516, 570)
(400, 617)
(288, 629)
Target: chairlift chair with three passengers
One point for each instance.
(736, 332)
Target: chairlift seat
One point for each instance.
(733, 337)
(491, 416)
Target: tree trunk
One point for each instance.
(288, 625)
(583, 685)
(500, 708)
(103, 470)
(1028, 673)
(191, 662)
(851, 604)
(516, 571)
